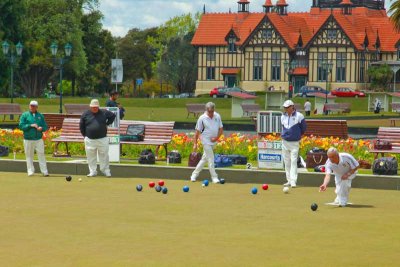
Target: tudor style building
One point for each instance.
(334, 43)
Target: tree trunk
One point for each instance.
(35, 79)
(73, 85)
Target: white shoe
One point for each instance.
(91, 174)
(215, 181)
(46, 174)
(30, 174)
(293, 185)
(286, 184)
(193, 179)
(107, 174)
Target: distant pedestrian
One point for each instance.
(93, 126)
(293, 127)
(290, 91)
(112, 102)
(209, 126)
(33, 125)
(307, 107)
(377, 106)
(344, 166)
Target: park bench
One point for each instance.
(156, 133)
(250, 110)
(10, 109)
(327, 128)
(196, 109)
(390, 134)
(395, 106)
(338, 107)
(76, 108)
(55, 120)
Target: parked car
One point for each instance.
(347, 92)
(217, 92)
(167, 96)
(185, 95)
(222, 91)
(307, 91)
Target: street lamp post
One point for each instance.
(289, 67)
(327, 66)
(12, 59)
(59, 62)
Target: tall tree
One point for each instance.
(49, 21)
(395, 14)
(138, 56)
(11, 16)
(176, 57)
(100, 49)
(179, 63)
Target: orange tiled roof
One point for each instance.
(214, 27)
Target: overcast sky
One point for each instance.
(122, 15)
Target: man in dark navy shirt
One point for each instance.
(112, 102)
(293, 128)
(93, 126)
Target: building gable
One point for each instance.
(330, 34)
(265, 34)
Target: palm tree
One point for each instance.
(395, 14)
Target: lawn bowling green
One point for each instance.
(47, 221)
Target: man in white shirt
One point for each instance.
(344, 166)
(209, 126)
(307, 107)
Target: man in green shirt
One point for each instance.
(33, 125)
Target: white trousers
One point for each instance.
(208, 156)
(100, 147)
(30, 146)
(342, 191)
(290, 151)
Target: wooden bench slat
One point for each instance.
(10, 109)
(390, 134)
(196, 109)
(156, 133)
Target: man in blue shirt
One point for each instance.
(293, 127)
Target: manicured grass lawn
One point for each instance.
(105, 222)
(164, 109)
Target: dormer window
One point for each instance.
(332, 34)
(231, 44)
(267, 33)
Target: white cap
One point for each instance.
(288, 103)
(33, 103)
(94, 103)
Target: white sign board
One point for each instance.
(270, 155)
(113, 140)
(117, 71)
(113, 148)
